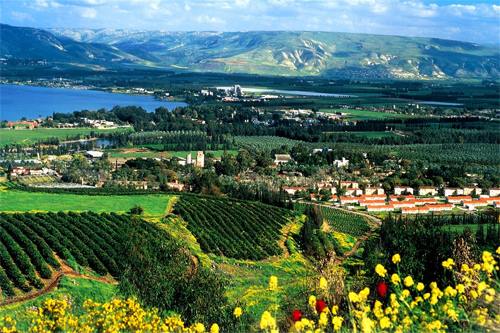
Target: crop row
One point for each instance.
(30, 245)
(232, 228)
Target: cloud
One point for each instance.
(477, 20)
(89, 13)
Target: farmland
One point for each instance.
(30, 243)
(264, 142)
(353, 114)
(342, 221)
(231, 228)
(24, 201)
(26, 137)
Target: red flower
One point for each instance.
(320, 305)
(382, 289)
(296, 315)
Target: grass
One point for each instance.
(23, 201)
(459, 228)
(249, 281)
(26, 137)
(366, 114)
(78, 289)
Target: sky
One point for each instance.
(468, 20)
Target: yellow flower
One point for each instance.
(199, 328)
(420, 286)
(405, 293)
(214, 328)
(498, 250)
(396, 258)
(323, 319)
(460, 288)
(408, 281)
(385, 322)
(267, 321)
(237, 312)
(353, 297)
(448, 264)
(395, 278)
(367, 325)
(312, 301)
(380, 270)
(363, 294)
(426, 296)
(273, 282)
(323, 284)
(337, 323)
(450, 291)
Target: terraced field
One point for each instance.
(33, 245)
(232, 228)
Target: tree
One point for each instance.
(136, 210)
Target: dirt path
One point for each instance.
(53, 282)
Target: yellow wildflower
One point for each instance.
(214, 328)
(312, 301)
(323, 319)
(396, 258)
(420, 286)
(385, 322)
(267, 321)
(380, 270)
(337, 323)
(363, 294)
(408, 281)
(353, 297)
(405, 293)
(448, 263)
(199, 328)
(237, 312)
(450, 291)
(273, 282)
(395, 278)
(367, 325)
(460, 288)
(323, 284)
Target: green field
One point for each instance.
(370, 135)
(25, 136)
(365, 114)
(21, 201)
(78, 289)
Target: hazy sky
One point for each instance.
(477, 21)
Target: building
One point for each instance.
(353, 191)
(473, 204)
(438, 207)
(282, 159)
(291, 190)
(348, 200)
(374, 197)
(176, 186)
(399, 190)
(403, 204)
(401, 197)
(472, 191)
(343, 163)
(349, 184)
(414, 210)
(200, 159)
(424, 201)
(384, 208)
(189, 159)
(94, 153)
(427, 190)
(449, 191)
(374, 190)
(494, 192)
(459, 199)
(372, 203)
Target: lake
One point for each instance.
(17, 101)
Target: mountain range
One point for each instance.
(290, 53)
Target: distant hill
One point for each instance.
(36, 44)
(330, 54)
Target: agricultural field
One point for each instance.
(353, 114)
(26, 137)
(32, 246)
(232, 228)
(369, 135)
(25, 201)
(342, 221)
(265, 142)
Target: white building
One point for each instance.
(343, 163)
(494, 192)
(427, 190)
(398, 190)
(282, 159)
(453, 191)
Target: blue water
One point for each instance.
(32, 102)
